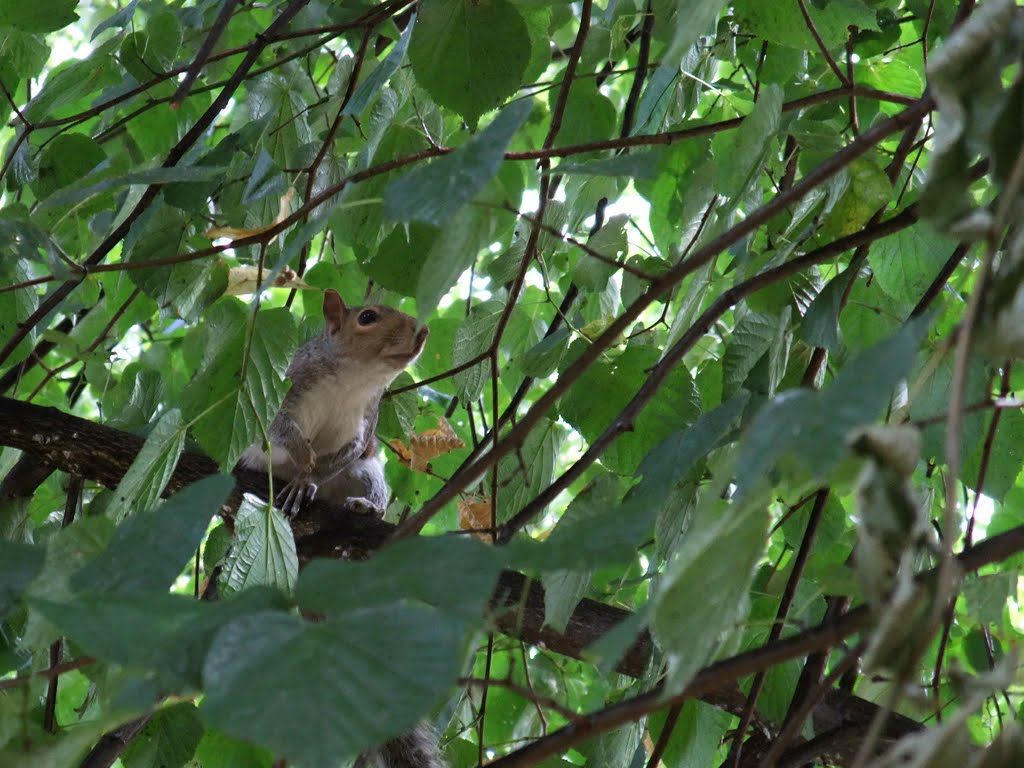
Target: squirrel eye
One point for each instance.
(367, 317)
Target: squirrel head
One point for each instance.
(373, 336)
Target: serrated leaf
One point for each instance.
(740, 156)
(418, 569)
(322, 713)
(820, 326)
(906, 262)
(163, 632)
(65, 160)
(783, 23)
(522, 475)
(472, 338)
(722, 548)
(120, 19)
(610, 241)
(231, 403)
(810, 428)
(751, 339)
(543, 358)
(168, 740)
(433, 193)
(263, 552)
(375, 81)
(146, 478)
(470, 56)
(607, 532)
(675, 405)
(149, 548)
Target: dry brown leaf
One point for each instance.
(475, 515)
(432, 443)
(237, 233)
(246, 279)
(404, 455)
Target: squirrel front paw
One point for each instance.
(295, 494)
(361, 505)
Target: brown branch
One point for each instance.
(821, 45)
(103, 454)
(216, 29)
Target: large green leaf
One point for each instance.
(42, 16)
(150, 547)
(722, 549)
(263, 551)
(378, 670)
(236, 395)
(470, 56)
(434, 192)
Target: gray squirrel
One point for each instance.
(322, 438)
(322, 443)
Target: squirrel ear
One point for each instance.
(334, 310)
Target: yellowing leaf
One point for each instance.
(238, 233)
(475, 516)
(431, 444)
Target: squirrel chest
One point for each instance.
(333, 412)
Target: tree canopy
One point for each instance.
(713, 456)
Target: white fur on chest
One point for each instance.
(332, 414)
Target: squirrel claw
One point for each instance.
(361, 505)
(295, 494)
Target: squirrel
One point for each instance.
(322, 438)
(322, 442)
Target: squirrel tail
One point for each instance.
(414, 749)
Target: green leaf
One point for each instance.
(41, 16)
(810, 428)
(469, 56)
(523, 475)
(610, 241)
(371, 86)
(784, 23)
(19, 565)
(66, 159)
(150, 548)
(452, 253)
(168, 740)
(417, 569)
(740, 156)
(266, 180)
(820, 326)
(229, 401)
(189, 286)
(121, 19)
(472, 338)
(751, 339)
(223, 751)
(675, 405)
(722, 547)
(543, 359)
(869, 191)
(433, 193)
(906, 263)
(146, 478)
(169, 634)
(381, 669)
(986, 596)
(603, 531)
(1004, 458)
(263, 552)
